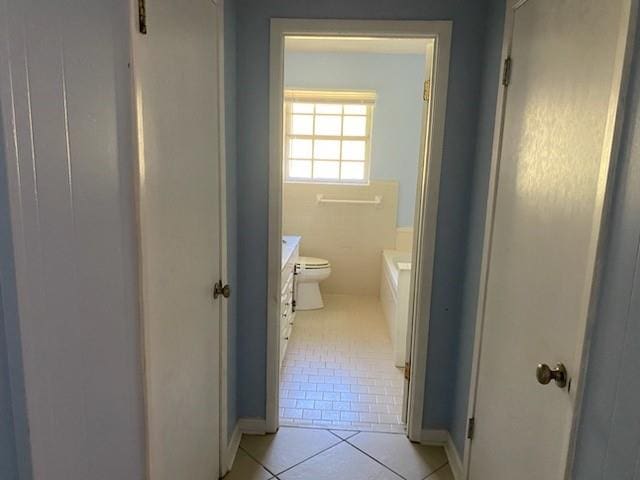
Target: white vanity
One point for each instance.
(290, 253)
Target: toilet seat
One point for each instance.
(312, 263)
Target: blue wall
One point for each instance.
(15, 458)
(608, 445)
(232, 210)
(8, 454)
(398, 80)
(481, 170)
(459, 154)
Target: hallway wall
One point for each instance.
(10, 464)
(608, 444)
(478, 204)
(459, 154)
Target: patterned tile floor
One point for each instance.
(320, 454)
(338, 371)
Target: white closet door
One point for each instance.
(566, 68)
(176, 84)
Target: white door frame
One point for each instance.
(427, 195)
(225, 460)
(612, 139)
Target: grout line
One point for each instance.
(354, 434)
(375, 460)
(314, 455)
(441, 467)
(257, 461)
(343, 439)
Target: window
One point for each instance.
(327, 136)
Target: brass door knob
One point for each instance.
(219, 289)
(545, 374)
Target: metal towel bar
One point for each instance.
(377, 200)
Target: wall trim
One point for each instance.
(436, 438)
(455, 463)
(244, 426)
(442, 438)
(224, 263)
(230, 450)
(252, 426)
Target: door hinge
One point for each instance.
(407, 370)
(426, 92)
(506, 72)
(471, 427)
(142, 17)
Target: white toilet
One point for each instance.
(310, 271)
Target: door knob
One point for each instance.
(545, 374)
(219, 289)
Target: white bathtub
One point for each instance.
(394, 296)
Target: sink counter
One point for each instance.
(289, 244)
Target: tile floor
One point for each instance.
(338, 371)
(320, 454)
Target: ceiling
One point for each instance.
(357, 45)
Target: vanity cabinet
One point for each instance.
(290, 253)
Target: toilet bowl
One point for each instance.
(310, 271)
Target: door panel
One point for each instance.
(176, 82)
(547, 210)
(67, 248)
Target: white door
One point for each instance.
(421, 192)
(566, 67)
(176, 87)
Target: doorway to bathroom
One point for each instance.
(357, 119)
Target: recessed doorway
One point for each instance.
(357, 115)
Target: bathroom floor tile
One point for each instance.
(343, 354)
(344, 434)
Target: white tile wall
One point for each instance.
(404, 239)
(351, 237)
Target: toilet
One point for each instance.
(310, 271)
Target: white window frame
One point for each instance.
(339, 97)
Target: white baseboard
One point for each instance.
(443, 438)
(252, 426)
(245, 426)
(434, 437)
(454, 459)
(231, 450)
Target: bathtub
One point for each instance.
(394, 296)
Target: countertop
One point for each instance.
(289, 244)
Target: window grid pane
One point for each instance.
(327, 142)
